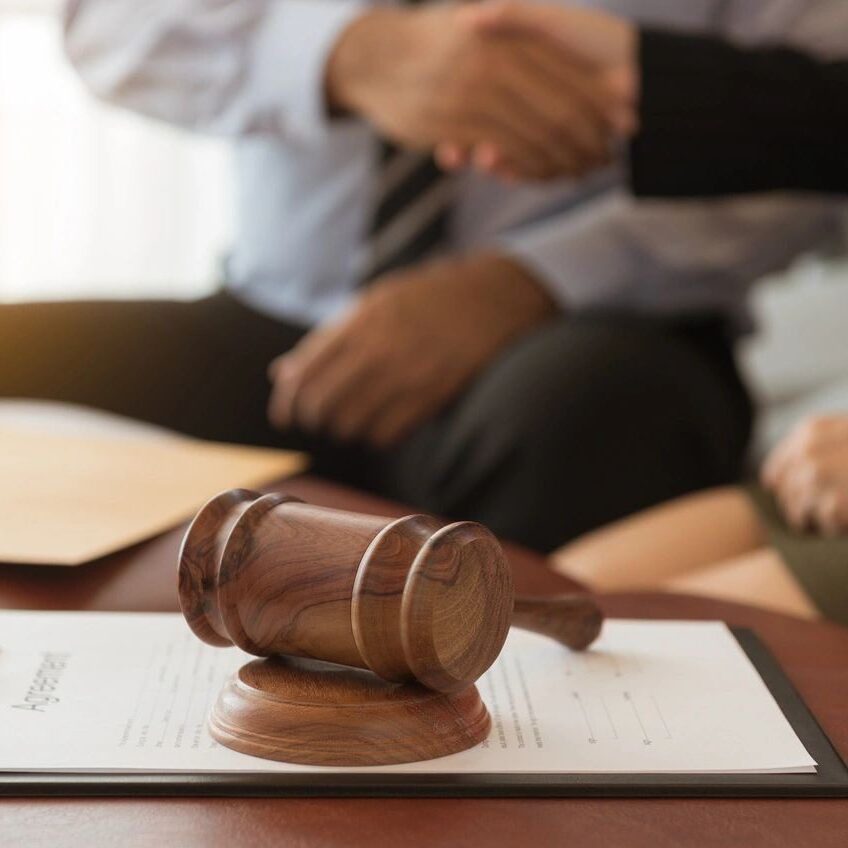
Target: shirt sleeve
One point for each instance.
(720, 119)
(620, 252)
(255, 66)
(674, 257)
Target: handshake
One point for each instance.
(518, 90)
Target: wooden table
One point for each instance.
(815, 656)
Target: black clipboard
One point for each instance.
(830, 781)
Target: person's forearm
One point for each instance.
(429, 75)
(718, 119)
(238, 68)
(622, 253)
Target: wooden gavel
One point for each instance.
(411, 599)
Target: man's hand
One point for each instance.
(808, 474)
(405, 350)
(435, 75)
(601, 44)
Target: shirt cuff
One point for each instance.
(582, 265)
(288, 61)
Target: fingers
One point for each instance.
(541, 119)
(291, 373)
(776, 464)
(355, 417)
(623, 86)
(806, 443)
(597, 38)
(797, 498)
(494, 123)
(780, 460)
(451, 156)
(585, 94)
(322, 399)
(353, 396)
(577, 99)
(349, 399)
(520, 117)
(506, 17)
(400, 418)
(566, 129)
(808, 475)
(343, 382)
(488, 159)
(542, 116)
(485, 157)
(831, 513)
(822, 510)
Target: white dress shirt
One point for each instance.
(253, 70)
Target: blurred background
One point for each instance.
(93, 201)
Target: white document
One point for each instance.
(123, 692)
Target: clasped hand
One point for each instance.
(405, 349)
(466, 79)
(470, 77)
(595, 45)
(808, 475)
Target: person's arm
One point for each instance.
(419, 73)
(808, 475)
(635, 254)
(720, 119)
(713, 117)
(665, 257)
(255, 66)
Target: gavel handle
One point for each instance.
(574, 620)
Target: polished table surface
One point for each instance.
(814, 655)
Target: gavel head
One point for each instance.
(408, 598)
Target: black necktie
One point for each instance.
(412, 205)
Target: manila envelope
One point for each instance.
(66, 500)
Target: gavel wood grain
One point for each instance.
(409, 598)
(305, 711)
(423, 605)
(573, 620)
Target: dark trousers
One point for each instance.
(586, 420)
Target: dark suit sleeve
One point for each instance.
(718, 119)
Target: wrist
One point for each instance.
(625, 38)
(360, 57)
(631, 67)
(508, 286)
